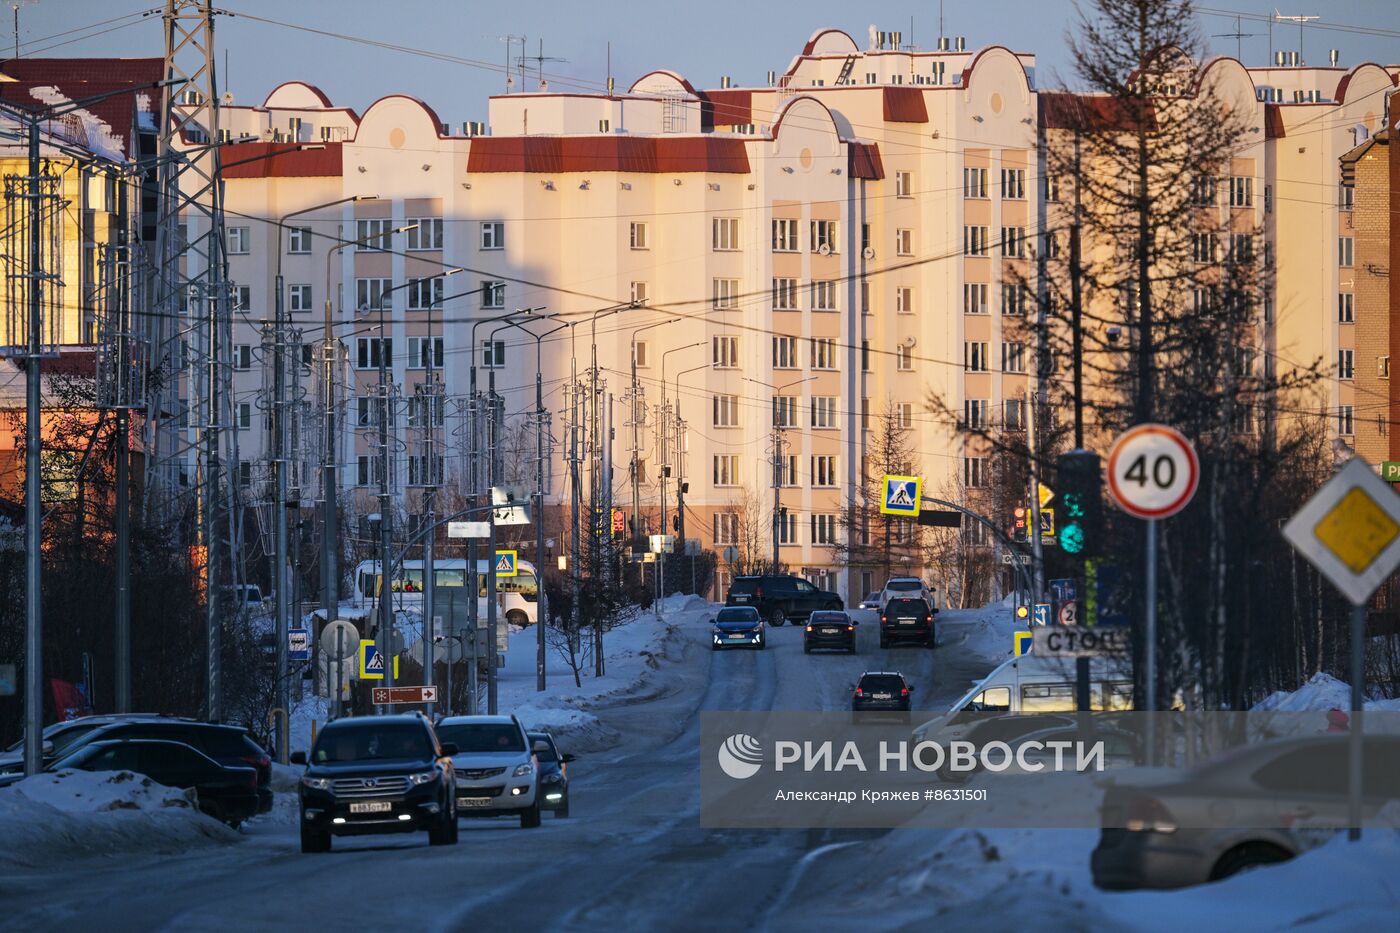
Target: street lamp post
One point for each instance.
(663, 454)
(636, 431)
(778, 445)
(680, 467)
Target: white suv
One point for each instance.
(497, 773)
(906, 588)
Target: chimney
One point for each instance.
(961, 42)
(1280, 59)
(725, 81)
(896, 39)
(942, 43)
(772, 78)
(1333, 57)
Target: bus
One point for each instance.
(518, 597)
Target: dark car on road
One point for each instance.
(227, 793)
(881, 692)
(554, 774)
(829, 629)
(377, 774)
(781, 597)
(738, 627)
(907, 620)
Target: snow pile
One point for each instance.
(1322, 692)
(681, 602)
(51, 818)
(986, 632)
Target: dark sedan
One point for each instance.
(739, 627)
(835, 630)
(554, 774)
(907, 620)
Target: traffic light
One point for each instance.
(1079, 503)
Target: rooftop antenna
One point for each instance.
(1301, 21)
(539, 59)
(1239, 38)
(510, 41)
(15, 5)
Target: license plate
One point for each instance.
(881, 696)
(473, 801)
(371, 806)
(741, 599)
(831, 631)
(739, 637)
(907, 621)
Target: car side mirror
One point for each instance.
(541, 746)
(298, 758)
(449, 749)
(566, 758)
(47, 748)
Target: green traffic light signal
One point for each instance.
(1080, 500)
(1072, 538)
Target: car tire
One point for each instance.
(884, 642)
(313, 841)
(529, 819)
(1248, 856)
(441, 835)
(852, 648)
(562, 813)
(777, 617)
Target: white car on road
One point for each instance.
(905, 588)
(497, 773)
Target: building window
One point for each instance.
(242, 298)
(784, 411)
(1344, 420)
(904, 300)
(1346, 197)
(1203, 191)
(787, 527)
(370, 235)
(239, 241)
(1346, 308)
(1013, 242)
(1052, 189)
(1241, 191)
(823, 528)
(725, 352)
(242, 356)
(784, 235)
(299, 240)
(823, 352)
(299, 297)
(425, 409)
(974, 182)
(725, 296)
(245, 416)
(367, 351)
(726, 528)
(1203, 247)
(369, 292)
(637, 237)
(369, 471)
(1382, 367)
(427, 235)
(493, 235)
(726, 411)
(904, 242)
(1241, 247)
(974, 298)
(975, 413)
(785, 353)
(903, 184)
(1052, 245)
(974, 472)
(1014, 299)
(823, 236)
(424, 352)
(823, 471)
(974, 241)
(1013, 357)
(1015, 417)
(725, 232)
(824, 296)
(367, 409)
(1346, 254)
(726, 470)
(904, 358)
(785, 294)
(823, 411)
(975, 356)
(424, 469)
(1345, 369)
(865, 414)
(245, 474)
(865, 356)
(1013, 183)
(905, 413)
(424, 293)
(493, 353)
(493, 294)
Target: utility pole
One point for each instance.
(33, 508)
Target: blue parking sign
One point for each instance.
(900, 495)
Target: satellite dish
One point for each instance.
(340, 640)
(824, 249)
(869, 252)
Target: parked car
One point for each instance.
(554, 773)
(905, 620)
(738, 627)
(881, 692)
(1282, 797)
(871, 602)
(497, 771)
(377, 774)
(228, 793)
(829, 629)
(780, 598)
(906, 587)
(58, 736)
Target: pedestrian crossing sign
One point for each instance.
(372, 662)
(507, 563)
(901, 496)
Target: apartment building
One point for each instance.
(800, 253)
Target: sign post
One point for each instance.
(1350, 531)
(1153, 472)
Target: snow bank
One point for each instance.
(681, 602)
(986, 632)
(49, 819)
(1322, 692)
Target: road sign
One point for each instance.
(1152, 471)
(8, 684)
(693, 547)
(900, 495)
(1064, 589)
(663, 544)
(1040, 614)
(371, 664)
(507, 563)
(1022, 642)
(1044, 493)
(1081, 641)
(1390, 471)
(469, 529)
(384, 696)
(1350, 531)
(1047, 523)
(511, 514)
(339, 639)
(1008, 558)
(937, 518)
(298, 644)
(731, 554)
(1069, 613)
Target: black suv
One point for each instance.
(907, 620)
(881, 692)
(780, 598)
(378, 774)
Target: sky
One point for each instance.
(740, 38)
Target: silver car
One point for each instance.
(497, 772)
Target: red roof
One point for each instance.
(77, 78)
(727, 107)
(865, 161)
(1092, 112)
(1273, 122)
(904, 105)
(252, 160)
(539, 154)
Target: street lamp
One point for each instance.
(636, 430)
(778, 444)
(661, 452)
(680, 467)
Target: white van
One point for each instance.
(1028, 684)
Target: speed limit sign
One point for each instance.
(1152, 471)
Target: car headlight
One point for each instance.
(316, 783)
(424, 777)
(524, 770)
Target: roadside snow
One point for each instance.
(51, 818)
(1322, 692)
(986, 632)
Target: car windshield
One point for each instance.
(482, 737)
(883, 683)
(838, 617)
(743, 585)
(737, 615)
(371, 742)
(904, 585)
(912, 606)
(545, 755)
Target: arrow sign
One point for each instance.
(384, 696)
